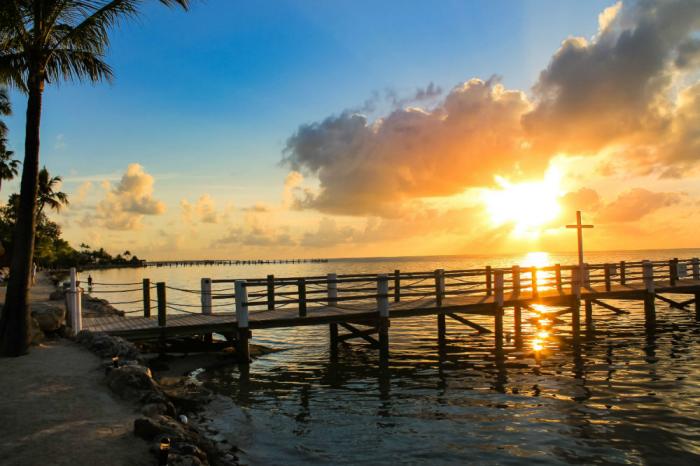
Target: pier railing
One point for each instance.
(351, 291)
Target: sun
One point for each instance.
(528, 206)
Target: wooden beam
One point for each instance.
(673, 303)
(357, 333)
(616, 310)
(469, 323)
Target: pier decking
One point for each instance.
(371, 301)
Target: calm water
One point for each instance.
(628, 396)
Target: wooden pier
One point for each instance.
(362, 306)
(201, 262)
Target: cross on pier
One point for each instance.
(579, 227)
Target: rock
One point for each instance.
(149, 428)
(134, 382)
(184, 393)
(50, 317)
(155, 409)
(107, 346)
(36, 336)
(177, 460)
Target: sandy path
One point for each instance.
(56, 410)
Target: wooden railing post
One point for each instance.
(576, 281)
(557, 276)
(206, 296)
(383, 310)
(270, 292)
(672, 271)
(499, 301)
(242, 323)
(397, 285)
(515, 275)
(162, 309)
(439, 293)
(606, 270)
(649, 305)
(332, 286)
(489, 288)
(577, 277)
(695, 264)
(146, 297)
(533, 282)
(623, 278)
(301, 286)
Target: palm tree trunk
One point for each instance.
(14, 323)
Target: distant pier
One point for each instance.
(192, 263)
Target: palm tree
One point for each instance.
(8, 166)
(46, 41)
(47, 196)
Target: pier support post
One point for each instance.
(301, 287)
(623, 278)
(489, 282)
(557, 276)
(649, 305)
(397, 285)
(695, 262)
(146, 298)
(533, 282)
(589, 317)
(607, 270)
(383, 319)
(697, 306)
(515, 275)
(498, 304)
(332, 286)
(439, 293)
(242, 330)
(206, 303)
(518, 324)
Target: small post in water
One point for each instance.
(160, 293)
(242, 330)
(146, 298)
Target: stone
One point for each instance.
(36, 336)
(150, 428)
(50, 317)
(155, 409)
(134, 382)
(108, 346)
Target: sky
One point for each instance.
(280, 129)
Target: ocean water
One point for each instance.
(629, 396)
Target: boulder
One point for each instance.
(150, 428)
(134, 382)
(108, 346)
(50, 317)
(36, 336)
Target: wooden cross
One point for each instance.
(580, 228)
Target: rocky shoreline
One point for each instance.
(169, 405)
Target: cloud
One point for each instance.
(617, 88)
(125, 204)
(634, 204)
(204, 210)
(629, 93)
(370, 168)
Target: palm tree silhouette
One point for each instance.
(47, 196)
(47, 41)
(8, 166)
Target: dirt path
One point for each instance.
(56, 410)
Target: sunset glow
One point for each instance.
(529, 206)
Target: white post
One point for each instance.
(75, 303)
(648, 274)
(383, 295)
(241, 304)
(206, 296)
(332, 289)
(498, 287)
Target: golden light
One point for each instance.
(537, 344)
(536, 259)
(543, 334)
(528, 206)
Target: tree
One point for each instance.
(8, 166)
(47, 196)
(47, 41)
